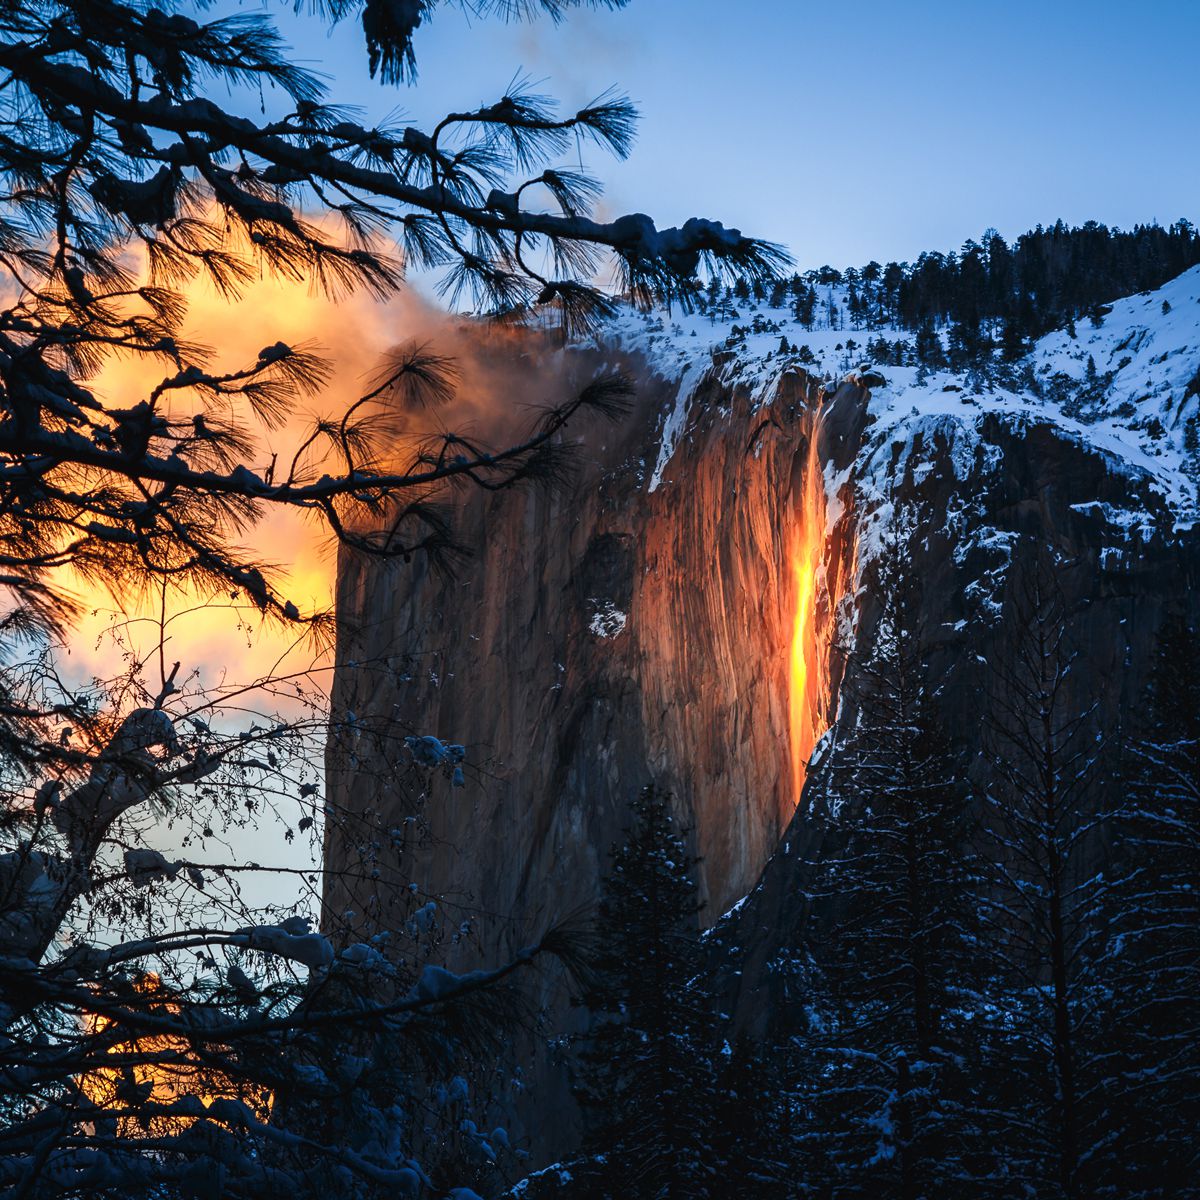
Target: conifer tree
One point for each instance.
(647, 1074)
(145, 147)
(1151, 961)
(928, 346)
(1050, 902)
(1013, 343)
(751, 1127)
(805, 305)
(899, 950)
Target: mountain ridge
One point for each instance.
(635, 627)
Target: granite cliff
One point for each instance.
(685, 609)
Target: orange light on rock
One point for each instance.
(814, 616)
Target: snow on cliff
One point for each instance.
(1125, 383)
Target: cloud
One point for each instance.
(580, 58)
(498, 394)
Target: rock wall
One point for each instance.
(636, 626)
(598, 638)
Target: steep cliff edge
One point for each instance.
(1097, 476)
(642, 624)
(598, 638)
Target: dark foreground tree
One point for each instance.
(177, 1039)
(1056, 1110)
(647, 1072)
(121, 181)
(1151, 959)
(896, 940)
(753, 1121)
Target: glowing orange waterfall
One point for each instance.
(814, 615)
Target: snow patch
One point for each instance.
(608, 621)
(673, 423)
(1138, 404)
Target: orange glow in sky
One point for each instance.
(221, 636)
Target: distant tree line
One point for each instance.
(989, 295)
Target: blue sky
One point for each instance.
(848, 132)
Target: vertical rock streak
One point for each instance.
(814, 614)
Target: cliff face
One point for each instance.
(598, 639)
(1026, 497)
(645, 624)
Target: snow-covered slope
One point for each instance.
(1126, 383)
(1083, 455)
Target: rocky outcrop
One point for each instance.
(598, 638)
(637, 625)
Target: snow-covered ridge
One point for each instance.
(1126, 383)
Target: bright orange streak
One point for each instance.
(812, 625)
(803, 734)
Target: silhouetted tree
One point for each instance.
(135, 135)
(899, 948)
(1048, 786)
(752, 1123)
(1151, 961)
(647, 1072)
(927, 346)
(1047, 279)
(804, 308)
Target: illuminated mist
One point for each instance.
(224, 636)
